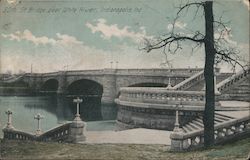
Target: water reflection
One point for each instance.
(56, 110)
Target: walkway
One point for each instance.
(234, 109)
(131, 136)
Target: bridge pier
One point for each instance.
(108, 106)
(62, 84)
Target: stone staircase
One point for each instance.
(239, 91)
(197, 124)
(236, 87)
(199, 85)
(226, 128)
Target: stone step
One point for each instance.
(220, 117)
(187, 128)
(197, 123)
(199, 120)
(200, 124)
(219, 114)
(216, 120)
(196, 126)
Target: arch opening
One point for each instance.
(91, 93)
(50, 85)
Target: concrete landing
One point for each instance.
(236, 109)
(131, 136)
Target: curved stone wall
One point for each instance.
(135, 116)
(155, 108)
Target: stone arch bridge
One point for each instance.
(106, 82)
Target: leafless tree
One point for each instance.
(216, 51)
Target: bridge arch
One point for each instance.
(50, 85)
(91, 93)
(85, 87)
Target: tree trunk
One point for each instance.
(208, 118)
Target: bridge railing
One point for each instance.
(225, 84)
(189, 81)
(159, 71)
(161, 95)
(181, 141)
(147, 71)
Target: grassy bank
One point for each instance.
(38, 150)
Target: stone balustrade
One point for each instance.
(14, 134)
(68, 132)
(161, 96)
(72, 132)
(189, 81)
(231, 129)
(225, 84)
(58, 134)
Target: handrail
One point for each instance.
(189, 81)
(233, 79)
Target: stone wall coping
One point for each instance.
(55, 128)
(160, 106)
(188, 79)
(233, 77)
(131, 71)
(158, 90)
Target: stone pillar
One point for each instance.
(178, 143)
(108, 106)
(109, 86)
(77, 127)
(76, 132)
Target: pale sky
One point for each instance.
(90, 34)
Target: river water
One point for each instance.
(56, 110)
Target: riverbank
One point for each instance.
(37, 150)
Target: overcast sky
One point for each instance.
(89, 35)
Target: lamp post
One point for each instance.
(9, 122)
(38, 117)
(116, 67)
(111, 64)
(77, 101)
(169, 84)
